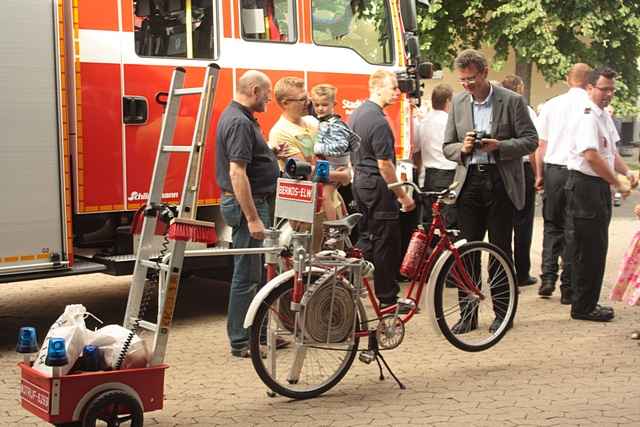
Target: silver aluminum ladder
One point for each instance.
(169, 267)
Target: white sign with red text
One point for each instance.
(35, 395)
(296, 199)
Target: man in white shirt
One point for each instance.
(429, 135)
(556, 127)
(593, 161)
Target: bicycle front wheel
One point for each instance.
(293, 364)
(469, 322)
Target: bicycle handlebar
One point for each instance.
(423, 193)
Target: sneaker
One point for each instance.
(404, 309)
(243, 352)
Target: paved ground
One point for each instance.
(549, 370)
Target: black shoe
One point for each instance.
(565, 296)
(464, 326)
(605, 308)
(598, 314)
(529, 281)
(496, 324)
(546, 289)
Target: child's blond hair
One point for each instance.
(324, 91)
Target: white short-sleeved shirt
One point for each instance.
(429, 138)
(596, 131)
(557, 123)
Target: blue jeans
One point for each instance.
(247, 269)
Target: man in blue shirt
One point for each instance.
(490, 173)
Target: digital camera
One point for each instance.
(479, 136)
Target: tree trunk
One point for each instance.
(524, 69)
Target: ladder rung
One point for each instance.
(188, 91)
(143, 324)
(154, 265)
(177, 149)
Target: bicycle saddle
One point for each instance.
(347, 222)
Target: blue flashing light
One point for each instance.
(322, 171)
(56, 353)
(27, 340)
(90, 358)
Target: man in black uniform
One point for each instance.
(374, 165)
(593, 162)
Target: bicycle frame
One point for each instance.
(425, 268)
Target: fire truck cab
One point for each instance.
(83, 89)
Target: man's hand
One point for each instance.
(539, 183)
(633, 180)
(468, 143)
(488, 145)
(278, 149)
(256, 229)
(407, 203)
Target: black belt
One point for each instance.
(482, 167)
(553, 165)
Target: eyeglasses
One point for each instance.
(606, 89)
(304, 98)
(469, 80)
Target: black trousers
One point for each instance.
(484, 206)
(557, 235)
(589, 211)
(523, 227)
(438, 180)
(380, 236)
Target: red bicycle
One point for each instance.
(306, 324)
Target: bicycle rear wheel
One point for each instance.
(470, 323)
(304, 368)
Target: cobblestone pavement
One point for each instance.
(549, 370)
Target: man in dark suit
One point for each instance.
(490, 174)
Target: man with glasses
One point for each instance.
(374, 164)
(294, 132)
(489, 171)
(593, 162)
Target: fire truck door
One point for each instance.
(32, 223)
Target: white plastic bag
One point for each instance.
(70, 326)
(111, 340)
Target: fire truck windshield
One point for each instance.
(361, 25)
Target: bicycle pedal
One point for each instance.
(367, 357)
(406, 304)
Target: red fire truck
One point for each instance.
(83, 85)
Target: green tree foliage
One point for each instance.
(553, 34)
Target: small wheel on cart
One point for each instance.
(113, 408)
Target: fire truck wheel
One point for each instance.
(113, 408)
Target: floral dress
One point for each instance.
(627, 286)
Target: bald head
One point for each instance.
(251, 79)
(578, 75)
(253, 90)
